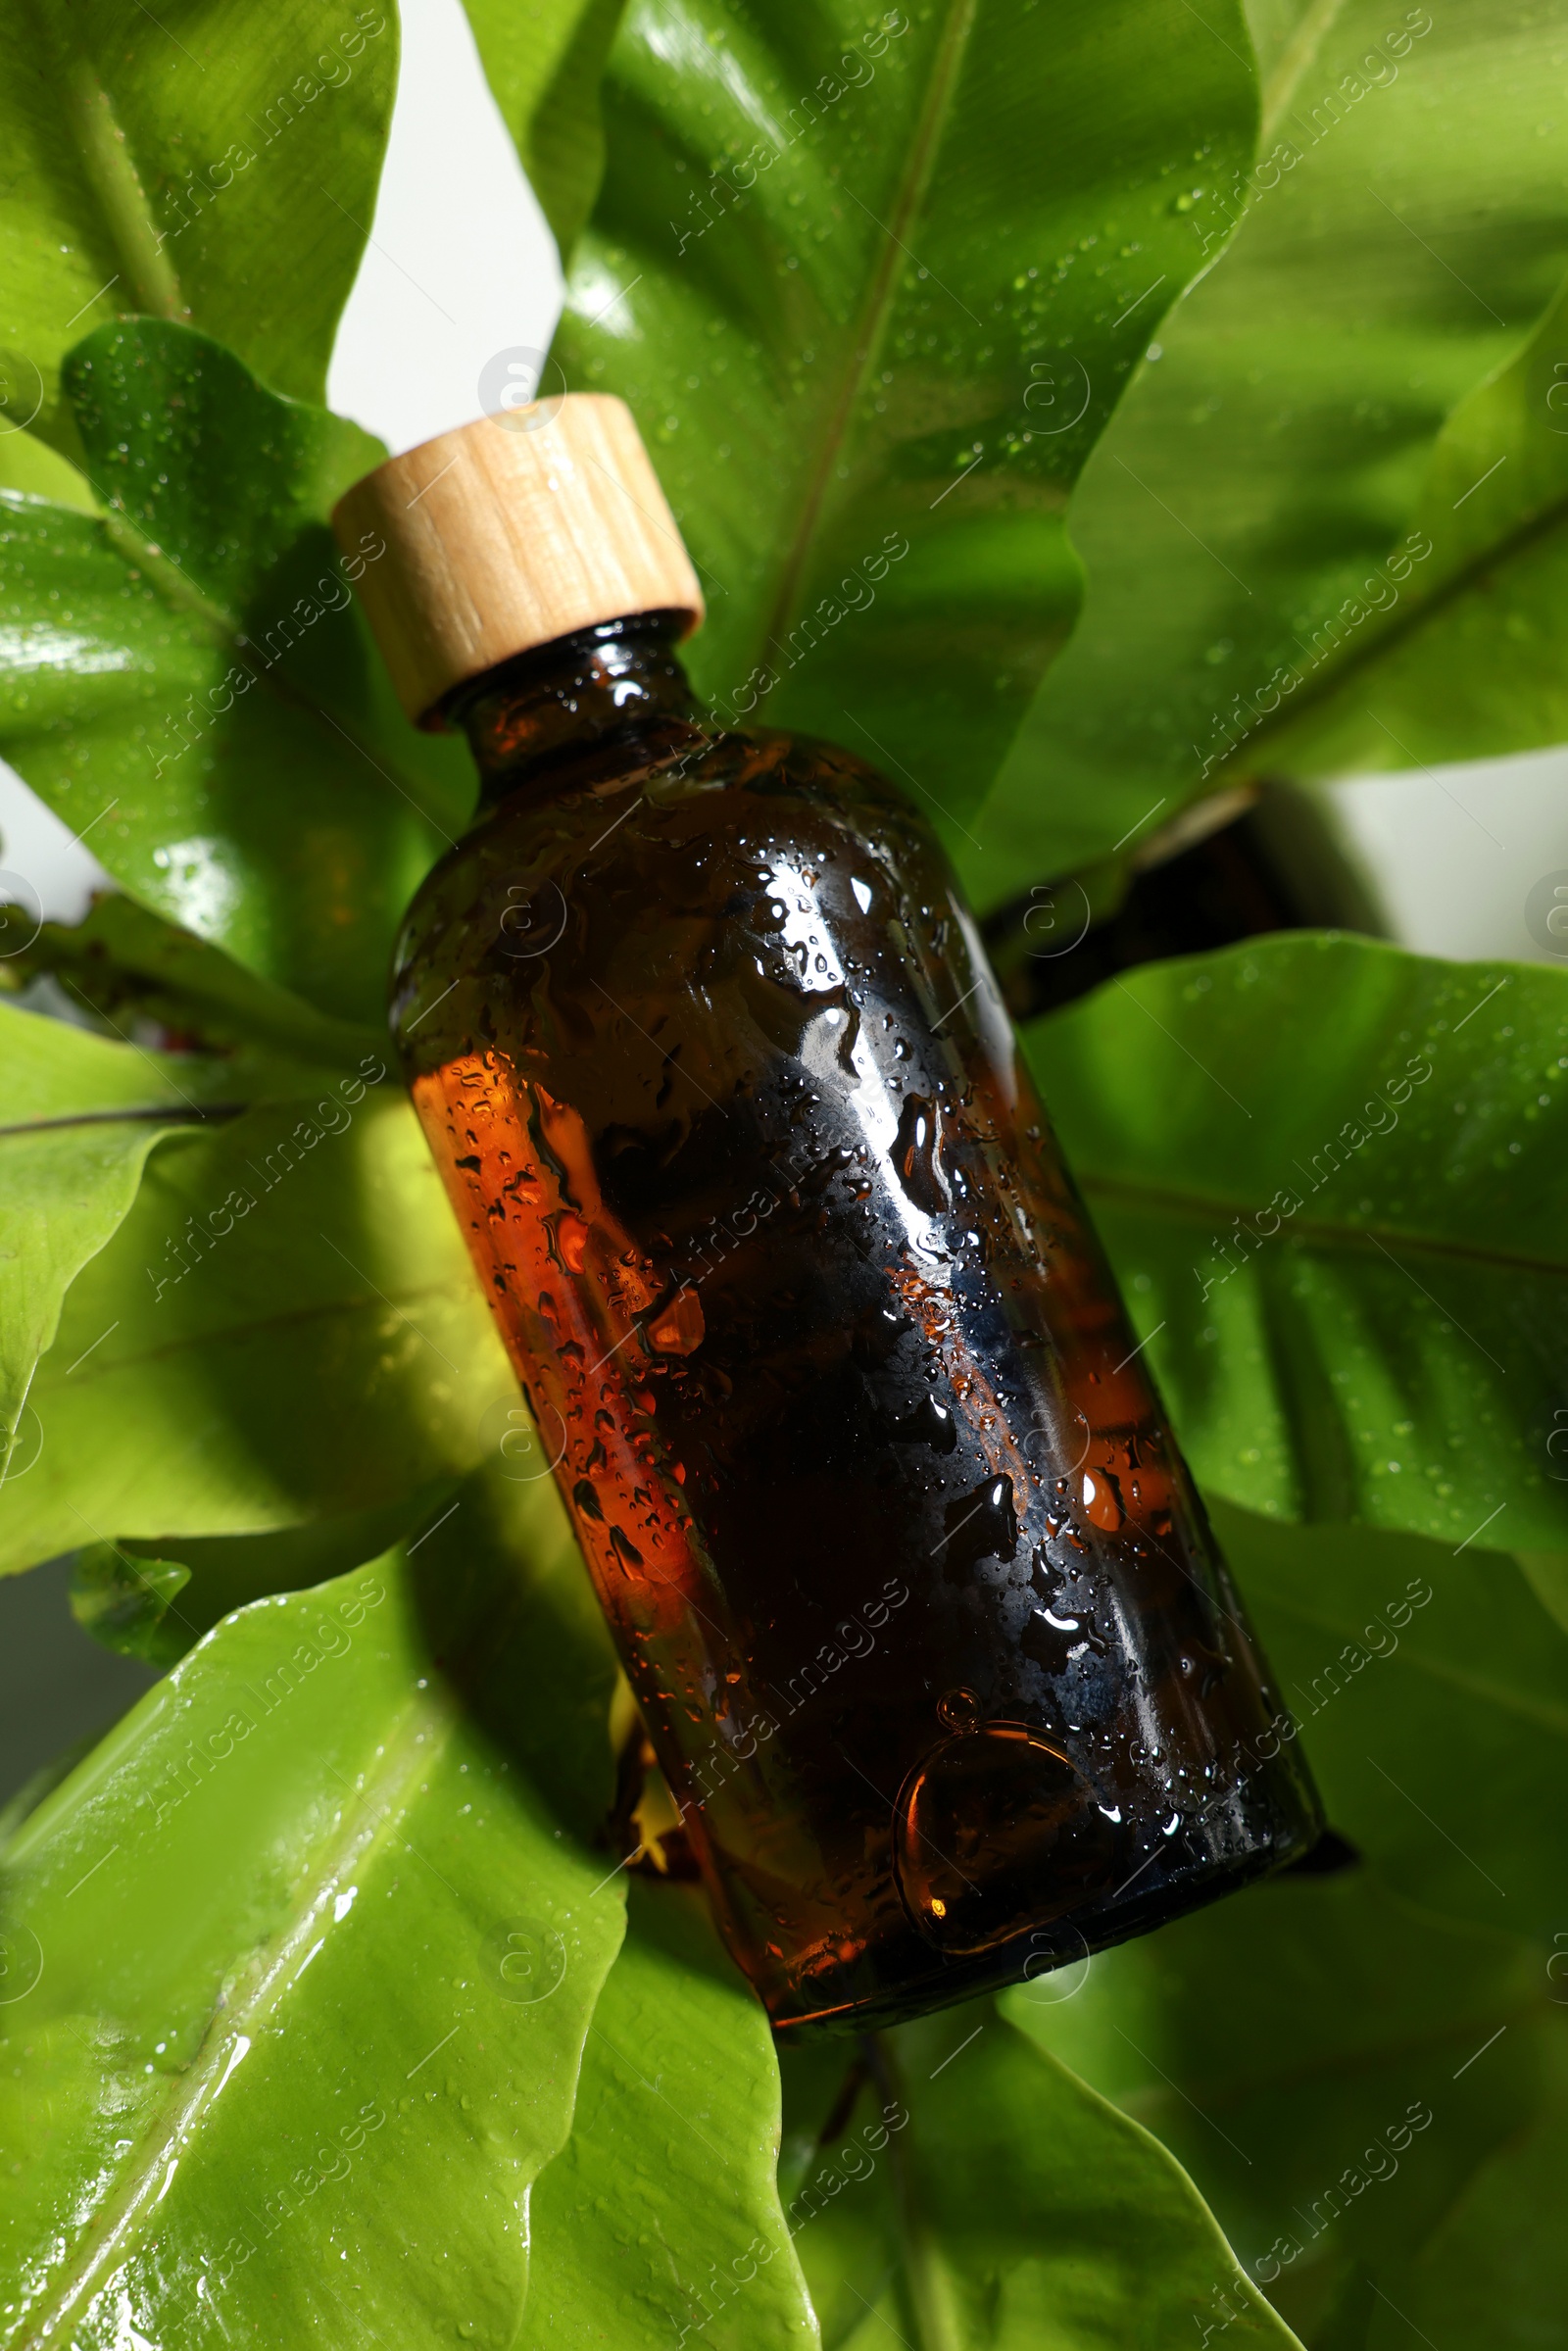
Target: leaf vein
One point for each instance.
(1204, 1205)
(876, 307)
(258, 1994)
(1375, 642)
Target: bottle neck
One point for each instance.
(618, 686)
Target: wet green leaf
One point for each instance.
(301, 1963)
(155, 1600)
(1330, 1178)
(1342, 2061)
(1327, 402)
(188, 680)
(124, 1603)
(215, 163)
(1381, 1642)
(122, 962)
(81, 1113)
(1464, 668)
(1332, 2065)
(977, 2197)
(660, 2220)
(285, 1326)
(545, 71)
(872, 284)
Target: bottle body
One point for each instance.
(921, 1610)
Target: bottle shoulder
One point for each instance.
(691, 777)
(759, 918)
(717, 801)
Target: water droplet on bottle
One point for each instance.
(959, 1708)
(982, 1524)
(995, 1830)
(913, 1156)
(678, 1328)
(1102, 1502)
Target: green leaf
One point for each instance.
(1322, 393)
(124, 1603)
(979, 2197)
(1390, 1347)
(42, 1783)
(311, 1962)
(123, 962)
(155, 1600)
(873, 285)
(218, 168)
(81, 1115)
(1498, 2270)
(661, 2218)
(39, 472)
(1286, 2044)
(285, 1326)
(545, 71)
(1466, 667)
(1378, 1643)
(1547, 1574)
(1275, 2040)
(188, 680)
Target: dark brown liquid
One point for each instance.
(922, 1612)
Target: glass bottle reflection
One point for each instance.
(917, 1599)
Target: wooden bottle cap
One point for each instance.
(505, 534)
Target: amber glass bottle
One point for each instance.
(928, 1630)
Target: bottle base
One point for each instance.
(1041, 1951)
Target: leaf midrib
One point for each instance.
(1376, 643)
(876, 307)
(1158, 1199)
(1299, 53)
(387, 1790)
(924, 2287)
(170, 1115)
(103, 155)
(254, 1326)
